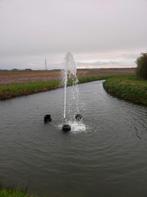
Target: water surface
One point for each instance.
(109, 158)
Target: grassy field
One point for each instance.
(7, 77)
(20, 83)
(13, 193)
(128, 88)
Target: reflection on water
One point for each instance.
(106, 158)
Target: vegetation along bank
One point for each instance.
(13, 193)
(129, 88)
(14, 84)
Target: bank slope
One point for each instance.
(13, 193)
(128, 88)
(8, 91)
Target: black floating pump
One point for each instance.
(66, 128)
(47, 118)
(78, 117)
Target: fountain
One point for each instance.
(71, 113)
(71, 97)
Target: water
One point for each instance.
(71, 95)
(107, 159)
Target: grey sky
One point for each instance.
(35, 28)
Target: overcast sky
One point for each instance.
(92, 29)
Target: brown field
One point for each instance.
(7, 77)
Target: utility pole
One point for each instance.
(45, 64)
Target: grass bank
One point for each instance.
(128, 88)
(8, 91)
(20, 83)
(13, 193)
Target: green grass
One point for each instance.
(13, 193)
(19, 89)
(92, 78)
(128, 88)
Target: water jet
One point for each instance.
(71, 95)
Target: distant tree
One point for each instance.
(142, 66)
(14, 69)
(28, 69)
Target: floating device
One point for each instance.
(47, 118)
(78, 117)
(66, 128)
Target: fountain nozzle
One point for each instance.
(47, 118)
(66, 128)
(78, 117)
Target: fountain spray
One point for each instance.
(70, 76)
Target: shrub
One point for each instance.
(142, 66)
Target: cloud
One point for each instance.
(37, 28)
